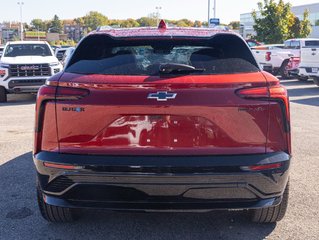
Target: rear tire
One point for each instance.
(302, 79)
(53, 213)
(3, 94)
(316, 80)
(283, 71)
(272, 214)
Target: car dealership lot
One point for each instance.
(20, 219)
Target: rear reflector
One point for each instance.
(261, 167)
(62, 166)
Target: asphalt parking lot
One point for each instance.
(20, 218)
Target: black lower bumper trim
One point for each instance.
(162, 182)
(191, 206)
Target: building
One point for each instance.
(74, 31)
(247, 21)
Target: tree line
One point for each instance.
(94, 19)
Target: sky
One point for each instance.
(227, 10)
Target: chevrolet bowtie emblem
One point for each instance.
(162, 96)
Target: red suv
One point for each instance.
(162, 119)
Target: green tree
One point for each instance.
(305, 26)
(198, 24)
(147, 21)
(234, 25)
(56, 25)
(128, 23)
(93, 20)
(39, 24)
(275, 22)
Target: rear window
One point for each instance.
(292, 45)
(312, 43)
(15, 50)
(103, 55)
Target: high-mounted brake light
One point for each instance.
(162, 25)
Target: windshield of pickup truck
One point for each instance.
(161, 57)
(15, 50)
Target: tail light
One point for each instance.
(268, 56)
(51, 92)
(294, 63)
(276, 93)
(273, 93)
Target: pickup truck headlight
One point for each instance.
(4, 65)
(54, 64)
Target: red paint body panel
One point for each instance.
(207, 117)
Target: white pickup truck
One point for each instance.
(274, 58)
(25, 66)
(309, 65)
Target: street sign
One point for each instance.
(214, 22)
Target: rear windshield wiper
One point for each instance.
(177, 68)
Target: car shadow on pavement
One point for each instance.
(308, 101)
(304, 92)
(19, 99)
(20, 218)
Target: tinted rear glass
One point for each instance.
(14, 50)
(312, 43)
(102, 55)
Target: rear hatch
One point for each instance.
(161, 97)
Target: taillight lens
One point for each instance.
(262, 167)
(51, 92)
(66, 93)
(268, 56)
(271, 92)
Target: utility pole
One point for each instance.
(21, 24)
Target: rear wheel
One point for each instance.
(316, 80)
(53, 213)
(272, 214)
(3, 94)
(303, 79)
(283, 71)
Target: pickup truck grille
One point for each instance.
(29, 70)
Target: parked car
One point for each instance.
(162, 119)
(274, 59)
(1, 50)
(25, 66)
(67, 55)
(59, 53)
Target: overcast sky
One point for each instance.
(227, 10)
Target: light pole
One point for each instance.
(214, 8)
(21, 24)
(157, 14)
(210, 10)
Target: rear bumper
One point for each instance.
(162, 183)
